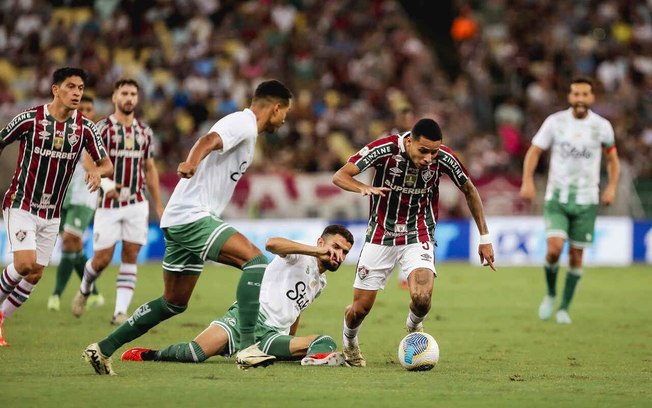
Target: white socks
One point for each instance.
(125, 286)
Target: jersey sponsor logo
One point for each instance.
(395, 234)
(130, 154)
(426, 175)
(452, 164)
(20, 235)
(298, 295)
(368, 157)
(116, 138)
(363, 272)
(235, 176)
(17, 120)
(55, 155)
(406, 190)
(570, 151)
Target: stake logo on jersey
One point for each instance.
(49, 151)
(408, 213)
(129, 147)
(286, 289)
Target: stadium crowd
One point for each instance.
(351, 64)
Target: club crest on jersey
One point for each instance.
(363, 272)
(73, 138)
(426, 175)
(20, 235)
(140, 139)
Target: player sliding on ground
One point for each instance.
(292, 281)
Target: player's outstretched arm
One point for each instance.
(473, 200)
(202, 147)
(283, 247)
(344, 179)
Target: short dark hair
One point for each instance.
(62, 74)
(581, 80)
(273, 89)
(86, 98)
(427, 128)
(125, 81)
(335, 229)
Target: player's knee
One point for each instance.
(552, 255)
(26, 267)
(100, 262)
(358, 311)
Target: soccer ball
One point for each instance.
(418, 352)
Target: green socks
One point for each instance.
(182, 353)
(572, 277)
(64, 270)
(322, 344)
(144, 318)
(70, 260)
(247, 295)
(551, 278)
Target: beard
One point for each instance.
(127, 110)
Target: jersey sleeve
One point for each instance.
(19, 126)
(450, 165)
(233, 129)
(149, 133)
(373, 153)
(93, 141)
(608, 138)
(543, 138)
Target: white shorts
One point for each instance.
(128, 223)
(28, 232)
(377, 262)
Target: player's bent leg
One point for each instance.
(237, 250)
(420, 283)
(22, 291)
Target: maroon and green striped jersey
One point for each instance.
(49, 151)
(129, 147)
(408, 213)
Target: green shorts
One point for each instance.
(573, 222)
(272, 341)
(75, 219)
(188, 246)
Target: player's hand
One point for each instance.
(486, 252)
(92, 179)
(608, 196)
(329, 253)
(186, 170)
(528, 191)
(369, 190)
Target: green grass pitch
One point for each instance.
(494, 350)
